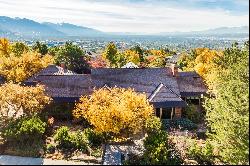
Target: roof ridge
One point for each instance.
(172, 91)
(159, 88)
(156, 91)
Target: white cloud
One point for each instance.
(121, 17)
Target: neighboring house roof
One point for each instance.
(173, 59)
(161, 88)
(191, 84)
(54, 70)
(130, 65)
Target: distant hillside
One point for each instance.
(27, 28)
(225, 30)
(217, 31)
(74, 30)
(17, 28)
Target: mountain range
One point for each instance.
(25, 28)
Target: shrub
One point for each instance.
(97, 152)
(153, 124)
(79, 141)
(71, 140)
(192, 114)
(95, 138)
(64, 137)
(25, 131)
(202, 154)
(158, 151)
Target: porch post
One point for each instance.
(160, 113)
(172, 112)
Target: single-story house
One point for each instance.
(167, 89)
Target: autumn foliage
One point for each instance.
(199, 60)
(18, 68)
(16, 100)
(115, 110)
(98, 62)
(4, 46)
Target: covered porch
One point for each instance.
(169, 109)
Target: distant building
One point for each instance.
(167, 89)
(130, 65)
(173, 59)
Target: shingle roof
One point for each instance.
(163, 96)
(64, 85)
(158, 84)
(191, 84)
(142, 80)
(145, 80)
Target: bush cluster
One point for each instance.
(94, 138)
(81, 140)
(202, 154)
(159, 151)
(70, 140)
(153, 124)
(192, 114)
(24, 131)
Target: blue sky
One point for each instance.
(144, 16)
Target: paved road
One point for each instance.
(112, 155)
(15, 160)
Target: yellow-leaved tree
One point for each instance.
(122, 112)
(17, 100)
(132, 56)
(4, 46)
(18, 68)
(200, 60)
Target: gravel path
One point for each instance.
(15, 160)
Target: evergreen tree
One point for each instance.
(228, 110)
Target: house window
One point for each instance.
(158, 112)
(194, 101)
(165, 113)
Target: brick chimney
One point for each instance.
(62, 65)
(174, 70)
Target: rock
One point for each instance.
(74, 158)
(41, 152)
(56, 127)
(190, 162)
(54, 157)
